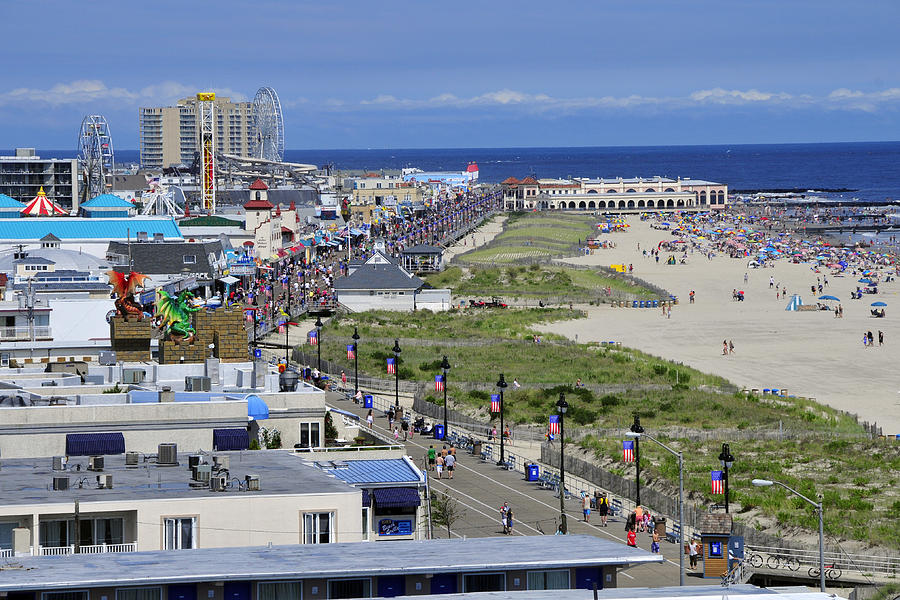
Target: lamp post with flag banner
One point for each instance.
(353, 352)
(562, 406)
(727, 460)
(636, 428)
(318, 342)
(395, 367)
(501, 385)
(445, 367)
(680, 457)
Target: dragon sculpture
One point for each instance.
(175, 315)
(125, 286)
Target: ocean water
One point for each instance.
(871, 169)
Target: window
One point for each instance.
(190, 259)
(318, 528)
(309, 435)
(278, 590)
(350, 588)
(365, 524)
(484, 582)
(548, 580)
(148, 593)
(6, 535)
(181, 533)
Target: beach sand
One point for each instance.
(810, 354)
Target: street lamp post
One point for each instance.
(501, 385)
(680, 458)
(636, 428)
(727, 460)
(818, 505)
(355, 337)
(319, 342)
(445, 367)
(396, 350)
(562, 406)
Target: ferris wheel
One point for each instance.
(95, 151)
(269, 125)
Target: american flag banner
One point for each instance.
(313, 338)
(628, 450)
(439, 383)
(554, 424)
(495, 403)
(391, 366)
(718, 482)
(351, 351)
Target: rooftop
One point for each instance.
(698, 592)
(26, 481)
(76, 228)
(107, 201)
(318, 561)
(378, 277)
(387, 470)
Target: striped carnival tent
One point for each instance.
(42, 206)
(795, 303)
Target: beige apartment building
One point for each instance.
(168, 135)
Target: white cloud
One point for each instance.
(720, 96)
(95, 91)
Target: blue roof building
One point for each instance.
(107, 206)
(80, 229)
(10, 208)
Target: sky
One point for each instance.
(424, 74)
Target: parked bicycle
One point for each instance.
(831, 572)
(776, 561)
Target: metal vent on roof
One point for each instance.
(339, 464)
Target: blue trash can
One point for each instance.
(656, 304)
(533, 473)
(368, 401)
(634, 304)
(439, 431)
(643, 304)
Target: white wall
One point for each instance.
(77, 320)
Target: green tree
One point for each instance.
(445, 510)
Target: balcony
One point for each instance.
(97, 549)
(23, 334)
(6, 552)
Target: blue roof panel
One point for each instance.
(76, 228)
(107, 201)
(388, 470)
(8, 202)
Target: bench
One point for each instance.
(615, 507)
(487, 452)
(510, 463)
(672, 534)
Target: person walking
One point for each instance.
(694, 553)
(880, 338)
(404, 425)
(586, 507)
(370, 419)
(631, 537)
(431, 458)
(730, 347)
(724, 347)
(654, 545)
(871, 339)
(503, 510)
(509, 519)
(603, 509)
(450, 462)
(439, 465)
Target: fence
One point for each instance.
(299, 356)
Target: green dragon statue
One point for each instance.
(175, 315)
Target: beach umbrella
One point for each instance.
(829, 298)
(864, 280)
(879, 304)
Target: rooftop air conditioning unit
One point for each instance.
(133, 375)
(59, 463)
(218, 483)
(252, 483)
(194, 460)
(221, 462)
(4, 359)
(95, 463)
(131, 459)
(107, 358)
(202, 473)
(60, 483)
(197, 384)
(105, 482)
(167, 455)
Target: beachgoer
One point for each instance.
(880, 338)
(503, 510)
(439, 465)
(771, 281)
(450, 462)
(509, 519)
(694, 553)
(631, 538)
(586, 507)
(654, 546)
(603, 509)
(431, 457)
(724, 347)
(746, 278)
(516, 384)
(370, 419)
(871, 339)
(730, 347)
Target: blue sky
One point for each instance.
(361, 74)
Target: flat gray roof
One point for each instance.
(698, 592)
(27, 481)
(360, 559)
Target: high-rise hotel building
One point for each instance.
(168, 135)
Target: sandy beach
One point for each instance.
(810, 354)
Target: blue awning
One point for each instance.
(367, 499)
(231, 439)
(404, 497)
(91, 444)
(257, 408)
(346, 413)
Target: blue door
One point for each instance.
(392, 585)
(186, 591)
(444, 583)
(237, 590)
(586, 577)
